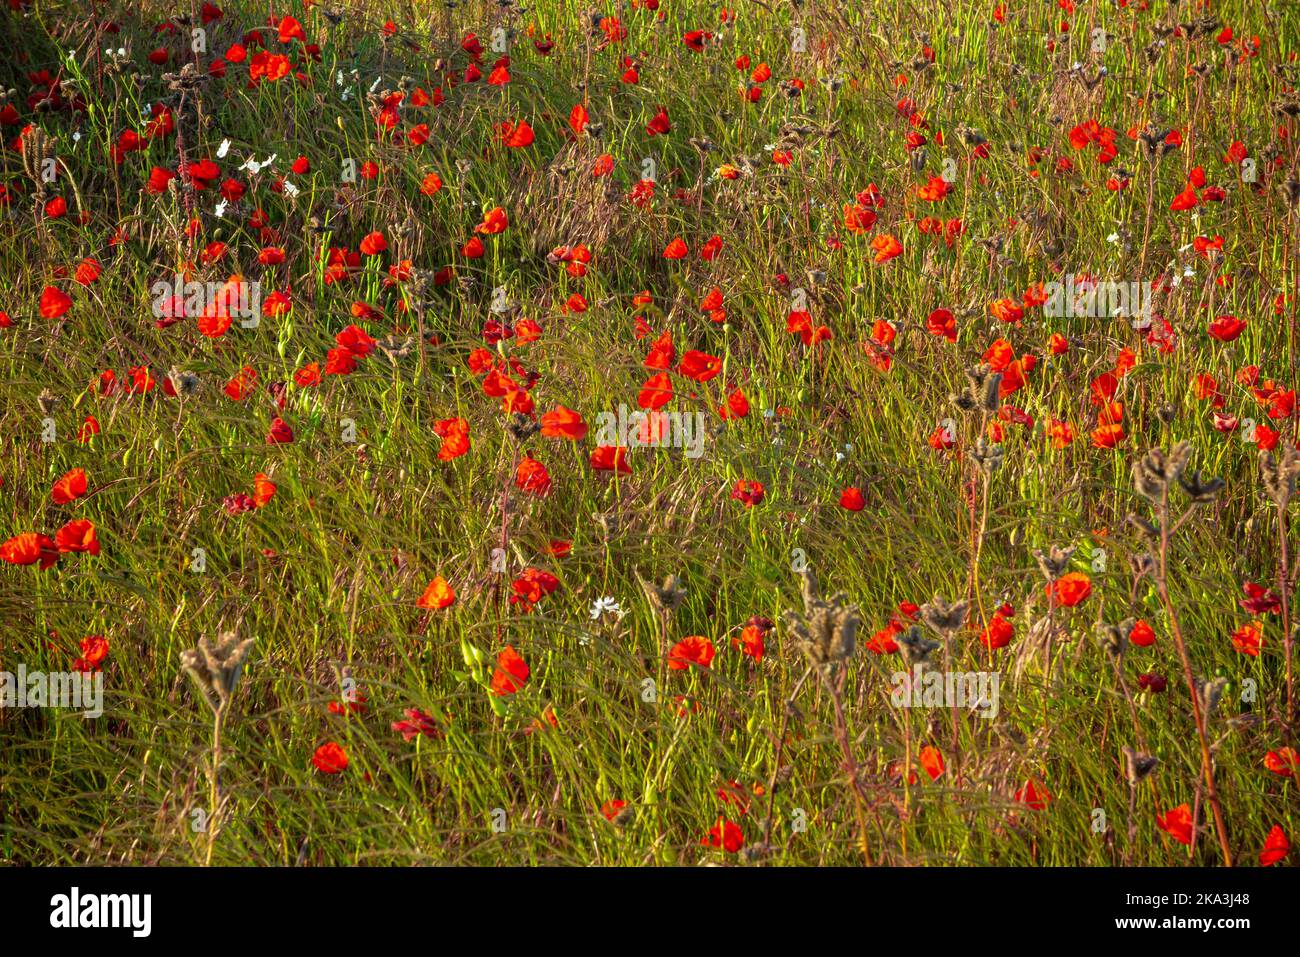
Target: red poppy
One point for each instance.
(695, 650)
(1070, 589)
(726, 835)
(330, 758)
(77, 535)
(532, 476)
(1276, 847)
(1177, 823)
(932, 761)
(748, 491)
(70, 487)
(28, 549)
(852, 499)
(437, 595)
(511, 672)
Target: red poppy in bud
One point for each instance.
(1142, 634)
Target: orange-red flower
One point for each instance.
(330, 758)
(1177, 823)
(1276, 847)
(70, 487)
(511, 672)
(437, 595)
(695, 650)
(1070, 589)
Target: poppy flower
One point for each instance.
(511, 672)
(1177, 823)
(494, 222)
(417, 724)
(280, 433)
(1185, 200)
(656, 392)
(699, 366)
(70, 487)
(437, 595)
(373, 244)
(997, 633)
(94, 651)
(28, 549)
(1276, 847)
(659, 123)
(77, 535)
(750, 642)
(610, 458)
(612, 808)
(1142, 634)
(532, 476)
(1034, 795)
(886, 247)
(454, 433)
(54, 302)
(943, 323)
(1283, 761)
(330, 758)
(1248, 638)
(563, 423)
(695, 650)
(263, 489)
(852, 499)
(931, 759)
(726, 835)
(748, 491)
(1070, 589)
(515, 135)
(676, 249)
(1226, 328)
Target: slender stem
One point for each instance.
(1207, 767)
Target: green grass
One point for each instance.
(326, 575)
